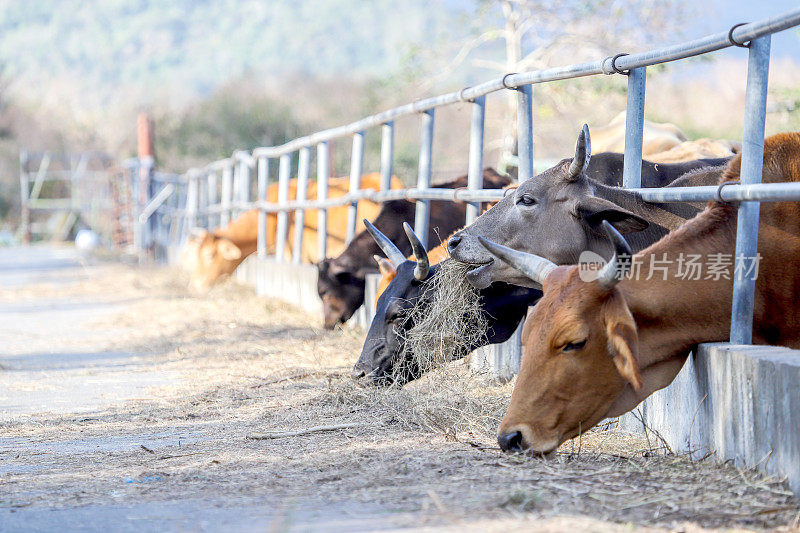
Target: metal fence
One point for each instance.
(155, 208)
(211, 195)
(60, 191)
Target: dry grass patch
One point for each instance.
(245, 366)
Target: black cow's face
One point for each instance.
(341, 291)
(382, 358)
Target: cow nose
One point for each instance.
(357, 373)
(452, 244)
(511, 442)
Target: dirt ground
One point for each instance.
(178, 385)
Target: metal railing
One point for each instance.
(208, 201)
(74, 184)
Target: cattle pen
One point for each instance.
(733, 401)
(210, 195)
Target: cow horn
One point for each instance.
(423, 264)
(617, 268)
(535, 267)
(392, 252)
(583, 153)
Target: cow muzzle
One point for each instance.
(512, 442)
(518, 440)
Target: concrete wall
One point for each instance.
(739, 403)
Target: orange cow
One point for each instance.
(210, 256)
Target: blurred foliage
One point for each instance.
(182, 48)
(224, 122)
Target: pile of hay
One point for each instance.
(447, 321)
(448, 399)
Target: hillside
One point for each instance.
(87, 53)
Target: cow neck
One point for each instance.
(674, 314)
(242, 231)
(663, 218)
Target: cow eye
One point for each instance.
(572, 346)
(526, 199)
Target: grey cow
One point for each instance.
(558, 214)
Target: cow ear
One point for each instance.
(341, 265)
(624, 344)
(595, 210)
(228, 250)
(386, 267)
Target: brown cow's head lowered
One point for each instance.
(580, 350)
(208, 258)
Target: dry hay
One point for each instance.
(447, 319)
(425, 453)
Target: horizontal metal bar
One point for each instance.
(761, 192)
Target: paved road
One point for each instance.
(47, 340)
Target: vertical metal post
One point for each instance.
(525, 132)
(236, 188)
(263, 183)
(323, 172)
(356, 166)
(202, 202)
(227, 190)
(634, 129)
(213, 200)
(751, 169)
(244, 178)
(192, 200)
(24, 191)
(475, 172)
(283, 196)
(423, 214)
(387, 155)
(303, 170)
(146, 191)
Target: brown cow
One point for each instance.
(657, 137)
(698, 149)
(596, 349)
(208, 256)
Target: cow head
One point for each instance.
(554, 215)
(340, 285)
(209, 258)
(580, 350)
(383, 357)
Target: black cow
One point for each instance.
(341, 279)
(503, 305)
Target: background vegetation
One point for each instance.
(235, 74)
